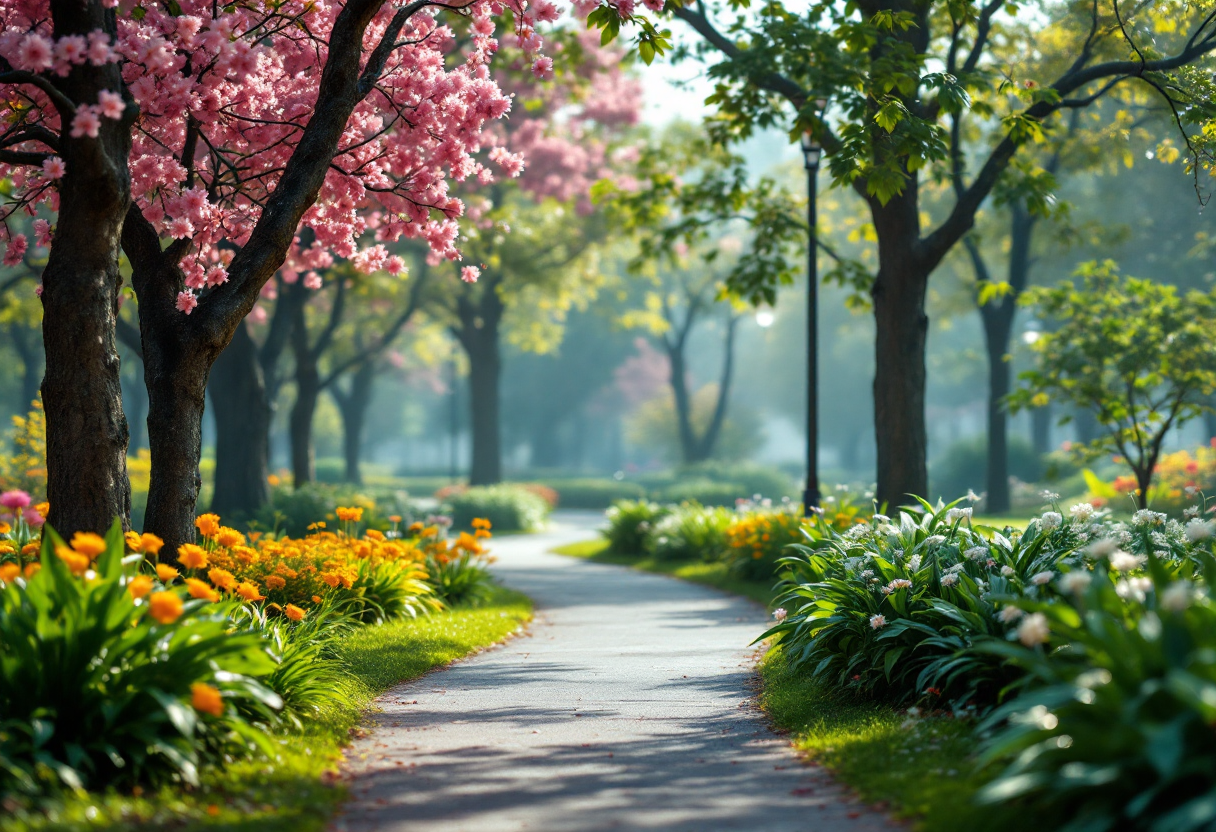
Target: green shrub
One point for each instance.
(97, 687)
(292, 510)
(707, 492)
(963, 464)
(594, 493)
(630, 523)
(460, 580)
(751, 478)
(691, 531)
(510, 508)
(1117, 732)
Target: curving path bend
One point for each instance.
(627, 706)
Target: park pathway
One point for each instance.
(626, 706)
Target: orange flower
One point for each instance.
(132, 541)
(5, 528)
(331, 578)
(316, 599)
(375, 535)
(228, 537)
(191, 556)
(88, 544)
(320, 524)
(76, 562)
(222, 578)
(274, 582)
(166, 572)
(273, 480)
(349, 513)
(249, 591)
(416, 527)
(140, 586)
(199, 589)
(150, 544)
(42, 508)
(31, 548)
(31, 569)
(481, 523)
(206, 699)
(294, 613)
(8, 571)
(165, 607)
(208, 524)
(394, 518)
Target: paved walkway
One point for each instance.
(626, 707)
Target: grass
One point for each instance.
(918, 768)
(716, 575)
(296, 793)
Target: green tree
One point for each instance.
(876, 83)
(1136, 353)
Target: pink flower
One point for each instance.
(780, 614)
(394, 265)
(111, 104)
(217, 276)
(542, 68)
(312, 280)
(16, 249)
(86, 123)
(33, 518)
(877, 622)
(54, 167)
(181, 228)
(15, 499)
(469, 274)
(42, 233)
(186, 301)
(34, 53)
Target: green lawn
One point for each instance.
(296, 792)
(710, 574)
(917, 767)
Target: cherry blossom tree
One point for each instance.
(202, 139)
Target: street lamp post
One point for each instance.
(810, 496)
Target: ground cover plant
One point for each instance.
(141, 686)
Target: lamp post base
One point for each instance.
(810, 500)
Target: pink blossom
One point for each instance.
(469, 274)
(16, 250)
(217, 276)
(33, 518)
(34, 53)
(394, 265)
(186, 301)
(85, 123)
(181, 228)
(54, 167)
(543, 68)
(15, 499)
(111, 104)
(42, 233)
(312, 280)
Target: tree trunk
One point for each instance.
(1040, 429)
(353, 405)
(137, 398)
(709, 440)
(26, 344)
(478, 334)
(682, 400)
(86, 451)
(308, 391)
(902, 330)
(242, 429)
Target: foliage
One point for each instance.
(756, 481)
(1116, 733)
(630, 523)
(508, 507)
(962, 467)
(459, 573)
(1134, 352)
(111, 678)
(24, 467)
(1180, 476)
(760, 537)
(703, 491)
(292, 511)
(691, 531)
(594, 493)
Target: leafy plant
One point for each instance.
(104, 680)
(509, 507)
(630, 523)
(691, 531)
(462, 578)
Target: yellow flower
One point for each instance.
(222, 578)
(375, 535)
(206, 699)
(165, 607)
(208, 524)
(166, 572)
(294, 613)
(274, 582)
(191, 556)
(8, 571)
(273, 480)
(140, 586)
(228, 537)
(88, 544)
(481, 523)
(249, 591)
(31, 569)
(150, 544)
(5, 528)
(75, 561)
(352, 513)
(132, 541)
(31, 548)
(42, 508)
(199, 589)
(320, 524)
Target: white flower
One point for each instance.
(867, 573)
(1034, 630)
(780, 614)
(935, 540)
(1122, 561)
(1177, 597)
(958, 567)
(898, 583)
(880, 519)
(950, 580)
(1198, 530)
(1050, 520)
(888, 529)
(1133, 589)
(1102, 547)
(1159, 540)
(914, 562)
(958, 514)
(972, 497)
(1010, 614)
(1050, 496)
(1042, 578)
(1081, 512)
(1190, 512)
(1075, 582)
(1007, 571)
(877, 622)
(976, 553)
(1146, 517)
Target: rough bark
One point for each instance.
(477, 330)
(353, 404)
(82, 393)
(308, 391)
(242, 429)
